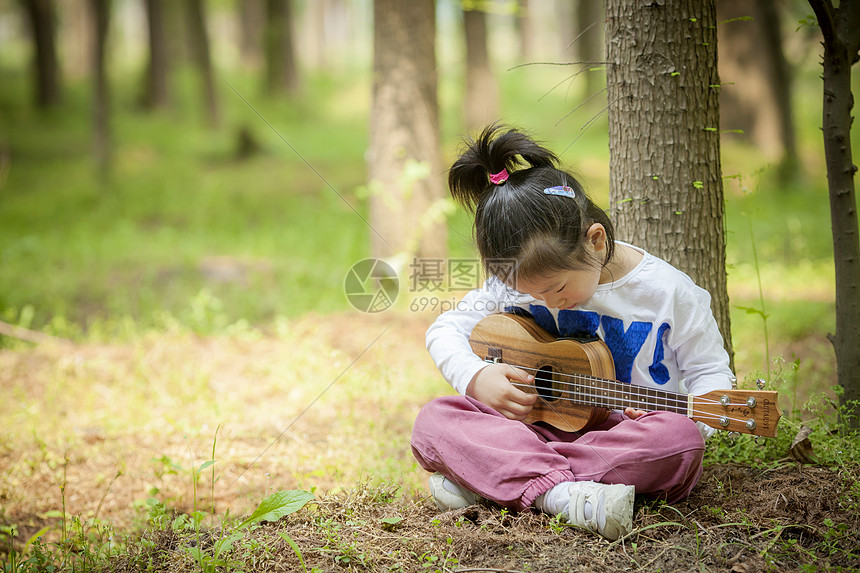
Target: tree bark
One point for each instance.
(666, 192)
(199, 39)
(101, 97)
(41, 15)
(156, 92)
(405, 166)
(482, 94)
(839, 27)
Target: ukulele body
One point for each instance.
(576, 386)
(519, 341)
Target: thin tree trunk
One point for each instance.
(524, 30)
(780, 79)
(252, 22)
(281, 73)
(405, 166)
(666, 190)
(482, 94)
(589, 39)
(756, 96)
(200, 50)
(101, 97)
(841, 42)
(156, 93)
(42, 15)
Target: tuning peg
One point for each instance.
(734, 381)
(760, 383)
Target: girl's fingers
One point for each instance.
(519, 374)
(633, 414)
(522, 400)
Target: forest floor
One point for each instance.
(104, 433)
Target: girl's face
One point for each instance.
(569, 288)
(564, 289)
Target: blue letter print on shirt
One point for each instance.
(659, 373)
(624, 345)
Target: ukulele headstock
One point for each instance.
(745, 411)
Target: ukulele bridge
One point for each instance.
(494, 355)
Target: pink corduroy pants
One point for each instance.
(511, 463)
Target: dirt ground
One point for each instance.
(738, 520)
(95, 430)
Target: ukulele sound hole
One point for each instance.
(544, 384)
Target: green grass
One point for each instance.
(77, 250)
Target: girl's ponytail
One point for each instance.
(511, 184)
(487, 161)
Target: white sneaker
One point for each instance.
(609, 508)
(448, 495)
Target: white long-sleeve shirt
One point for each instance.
(656, 322)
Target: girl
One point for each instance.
(574, 279)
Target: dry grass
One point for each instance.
(317, 404)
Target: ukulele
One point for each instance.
(576, 386)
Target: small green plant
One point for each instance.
(439, 563)
(557, 523)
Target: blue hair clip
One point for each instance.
(562, 190)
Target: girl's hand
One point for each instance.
(633, 414)
(492, 386)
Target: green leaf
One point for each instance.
(278, 505)
(205, 465)
(751, 310)
(295, 547)
(390, 523)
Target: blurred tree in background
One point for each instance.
(156, 92)
(41, 16)
(756, 92)
(482, 92)
(405, 163)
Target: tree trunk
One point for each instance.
(482, 94)
(101, 102)
(405, 166)
(318, 52)
(156, 93)
(281, 74)
(41, 16)
(756, 95)
(251, 22)
(841, 42)
(588, 30)
(666, 191)
(199, 39)
(524, 31)
(780, 79)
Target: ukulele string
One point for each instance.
(579, 434)
(700, 414)
(584, 394)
